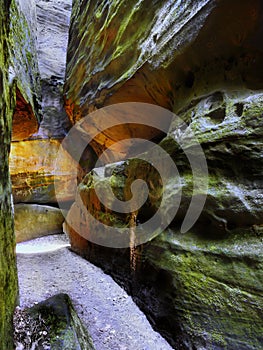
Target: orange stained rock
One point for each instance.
(24, 120)
(225, 52)
(34, 167)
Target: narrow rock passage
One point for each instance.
(46, 266)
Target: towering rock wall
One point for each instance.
(39, 44)
(52, 36)
(204, 62)
(163, 53)
(24, 69)
(121, 52)
(8, 276)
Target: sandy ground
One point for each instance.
(46, 266)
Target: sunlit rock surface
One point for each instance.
(52, 37)
(8, 272)
(23, 69)
(203, 62)
(33, 221)
(34, 167)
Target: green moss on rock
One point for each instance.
(217, 287)
(22, 46)
(8, 273)
(66, 329)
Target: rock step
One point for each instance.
(33, 221)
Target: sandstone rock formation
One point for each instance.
(52, 36)
(173, 56)
(214, 270)
(200, 60)
(20, 100)
(33, 163)
(33, 221)
(23, 70)
(8, 275)
(35, 168)
(204, 63)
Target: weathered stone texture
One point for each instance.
(52, 32)
(203, 62)
(8, 275)
(24, 120)
(52, 37)
(112, 57)
(33, 221)
(24, 68)
(66, 329)
(35, 167)
(165, 54)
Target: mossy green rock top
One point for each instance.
(66, 330)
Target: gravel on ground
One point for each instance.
(46, 267)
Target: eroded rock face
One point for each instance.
(212, 289)
(33, 221)
(167, 54)
(198, 267)
(24, 69)
(8, 273)
(110, 49)
(34, 167)
(41, 44)
(52, 37)
(24, 119)
(210, 74)
(52, 34)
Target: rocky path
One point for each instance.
(46, 266)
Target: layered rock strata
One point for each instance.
(35, 169)
(39, 57)
(212, 272)
(204, 63)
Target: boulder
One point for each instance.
(65, 328)
(34, 221)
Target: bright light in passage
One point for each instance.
(43, 245)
